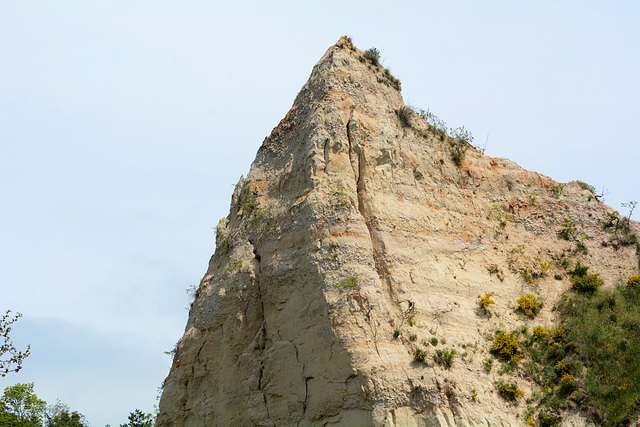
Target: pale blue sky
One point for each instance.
(125, 124)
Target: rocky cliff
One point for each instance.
(357, 239)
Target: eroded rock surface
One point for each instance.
(352, 225)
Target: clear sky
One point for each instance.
(124, 125)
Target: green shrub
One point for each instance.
(339, 197)
(487, 364)
(373, 55)
(249, 204)
(568, 230)
(580, 270)
(404, 114)
(396, 332)
(587, 284)
(586, 186)
(349, 282)
(584, 282)
(529, 305)
(509, 391)
(444, 357)
(419, 355)
(413, 337)
(411, 318)
(458, 151)
(603, 328)
(434, 341)
(234, 265)
(546, 419)
(556, 190)
(505, 346)
(567, 383)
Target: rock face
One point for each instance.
(355, 240)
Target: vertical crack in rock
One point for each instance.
(327, 148)
(306, 394)
(258, 270)
(358, 164)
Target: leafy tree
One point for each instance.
(21, 407)
(138, 418)
(10, 420)
(10, 358)
(59, 415)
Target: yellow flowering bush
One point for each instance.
(529, 305)
(509, 391)
(505, 346)
(541, 334)
(634, 280)
(485, 301)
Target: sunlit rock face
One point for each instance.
(355, 240)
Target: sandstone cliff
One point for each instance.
(354, 240)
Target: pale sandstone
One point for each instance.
(341, 188)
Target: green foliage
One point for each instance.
(568, 230)
(587, 284)
(236, 265)
(419, 355)
(138, 418)
(586, 186)
(404, 113)
(396, 332)
(339, 197)
(487, 364)
(59, 415)
(566, 366)
(505, 346)
(444, 357)
(435, 124)
(509, 391)
(248, 204)
(373, 55)
(459, 143)
(413, 337)
(411, 318)
(349, 282)
(529, 305)
(547, 419)
(620, 227)
(193, 291)
(222, 242)
(10, 358)
(434, 341)
(604, 329)
(556, 190)
(612, 220)
(21, 404)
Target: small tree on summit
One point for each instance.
(138, 418)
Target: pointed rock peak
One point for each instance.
(363, 236)
(340, 56)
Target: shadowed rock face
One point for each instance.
(351, 225)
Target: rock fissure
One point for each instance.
(356, 149)
(263, 335)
